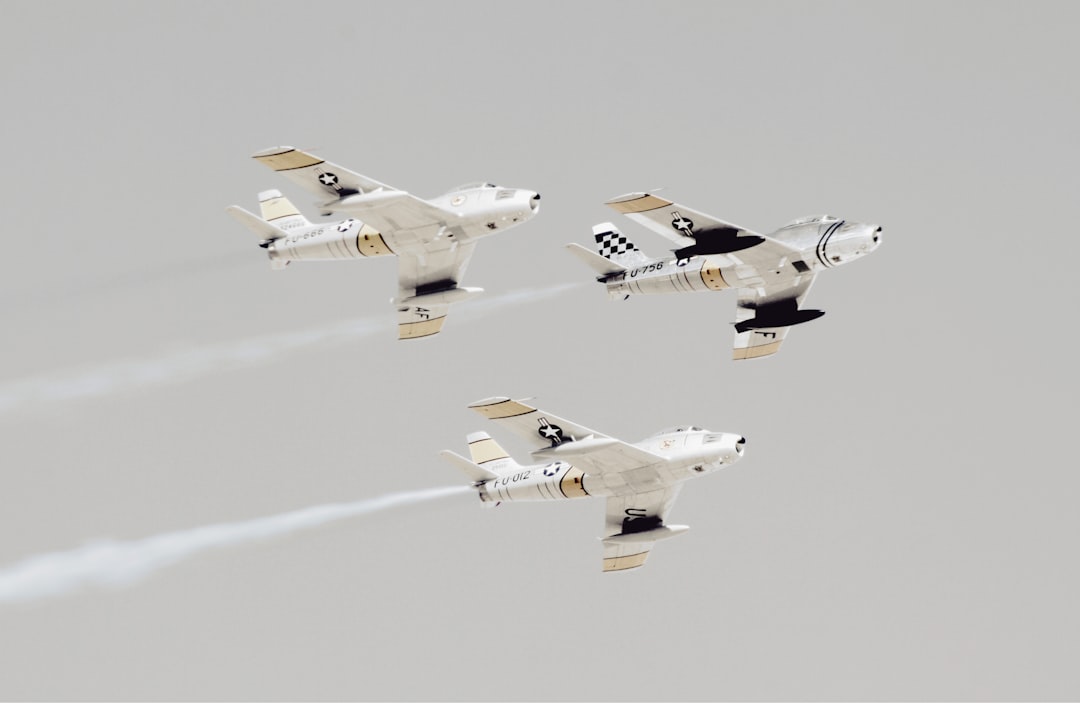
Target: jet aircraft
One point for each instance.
(640, 481)
(772, 273)
(432, 239)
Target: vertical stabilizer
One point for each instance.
(613, 244)
(487, 453)
(280, 211)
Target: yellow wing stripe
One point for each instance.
(423, 328)
(288, 160)
(643, 203)
(756, 352)
(632, 561)
(505, 408)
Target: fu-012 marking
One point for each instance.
(515, 478)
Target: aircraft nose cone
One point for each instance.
(535, 202)
(740, 445)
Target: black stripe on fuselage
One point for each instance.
(825, 240)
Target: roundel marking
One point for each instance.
(328, 179)
(552, 433)
(682, 224)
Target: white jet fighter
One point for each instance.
(433, 239)
(640, 481)
(773, 273)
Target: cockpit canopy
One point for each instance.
(681, 428)
(810, 220)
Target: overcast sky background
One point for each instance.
(903, 525)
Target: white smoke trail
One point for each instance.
(143, 374)
(110, 564)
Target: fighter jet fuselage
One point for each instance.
(772, 273)
(821, 242)
(683, 453)
(473, 212)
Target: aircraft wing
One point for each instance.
(698, 234)
(384, 207)
(437, 268)
(630, 515)
(756, 305)
(557, 438)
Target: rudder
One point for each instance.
(279, 210)
(613, 245)
(486, 452)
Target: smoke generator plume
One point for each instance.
(144, 374)
(111, 564)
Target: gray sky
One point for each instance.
(903, 524)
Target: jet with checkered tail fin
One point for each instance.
(433, 240)
(772, 273)
(638, 481)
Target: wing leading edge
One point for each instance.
(384, 207)
(558, 438)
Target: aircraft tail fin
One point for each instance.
(267, 232)
(475, 472)
(487, 453)
(613, 245)
(280, 211)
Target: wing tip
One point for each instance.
(758, 352)
(499, 408)
(625, 563)
(632, 203)
(286, 158)
(273, 151)
(420, 328)
(489, 401)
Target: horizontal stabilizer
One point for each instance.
(602, 265)
(475, 472)
(263, 229)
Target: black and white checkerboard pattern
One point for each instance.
(613, 244)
